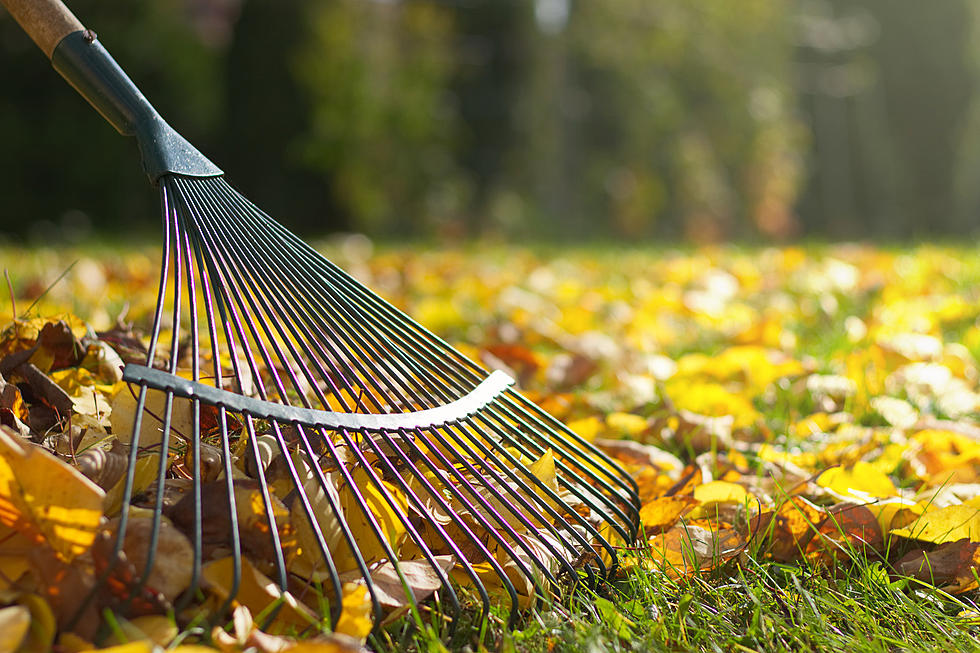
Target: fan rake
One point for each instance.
(323, 437)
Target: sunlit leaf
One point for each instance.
(45, 499)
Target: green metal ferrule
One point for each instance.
(87, 66)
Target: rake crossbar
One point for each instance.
(480, 397)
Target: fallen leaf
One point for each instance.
(258, 593)
(944, 525)
(951, 566)
(15, 621)
(45, 499)
(355, 617)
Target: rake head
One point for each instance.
(325, 438)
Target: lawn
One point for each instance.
(801, 423)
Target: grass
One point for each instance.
(751, 606)
(752, 603)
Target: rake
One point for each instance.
(325, 438)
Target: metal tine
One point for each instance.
(406, 522)
(503, 524)
(280, 562)
(285, 308)
(578, 490)
(130, 473)
(436, 495)
(227, 309)
(211, 292)
(322, 317)
(431, 340)
(439, 471)
(493, 452)
(384, 458)
(600, 501)
(237, 298)
(211, 297)
(144, 574)
(321, 338)
(588, 471)
(497, 493)
(195, 442)
(532, 412)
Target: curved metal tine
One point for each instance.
(169, 220)
(480, 516)
(164, 464)
(534, 411)
(592, 496)
(279, 561)
(195, 442)
(319, 316)
(538, 417)
(460, 440)
(395, 508)
(384, 459)
(432, 341)
(382, 327)
(306, 341)
(234, 321)
(213, 292)
(407, 437)
(493, 452)
(570, 458)
(295, 270)
(276, 543)
(285, 307)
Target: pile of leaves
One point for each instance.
(807, 407)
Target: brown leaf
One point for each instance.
(950, 565)
(173, 559)
(45, 389)
(422, 580)
(848, 530)
(57, 347)
(253, 522)
(788, 529)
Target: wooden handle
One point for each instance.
(45, 21)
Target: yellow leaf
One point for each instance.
(355, 618)
(45, 499)
(588, 428)
(14, 624)
(142, 646)
(156, 629)
(944, 525)
(544, 469)
(663, 512)
(257, 592)
(143, 476)
(863, 482)
(721, 492)
(626, 425)
(895, 513)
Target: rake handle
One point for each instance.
(45, 21)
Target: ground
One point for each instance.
(801, 423)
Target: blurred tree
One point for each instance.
(66, 169)
(383, 125)
(270, 117)
(886, 87)
(496, 44)
(666, 117)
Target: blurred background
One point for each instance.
(672, 120)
